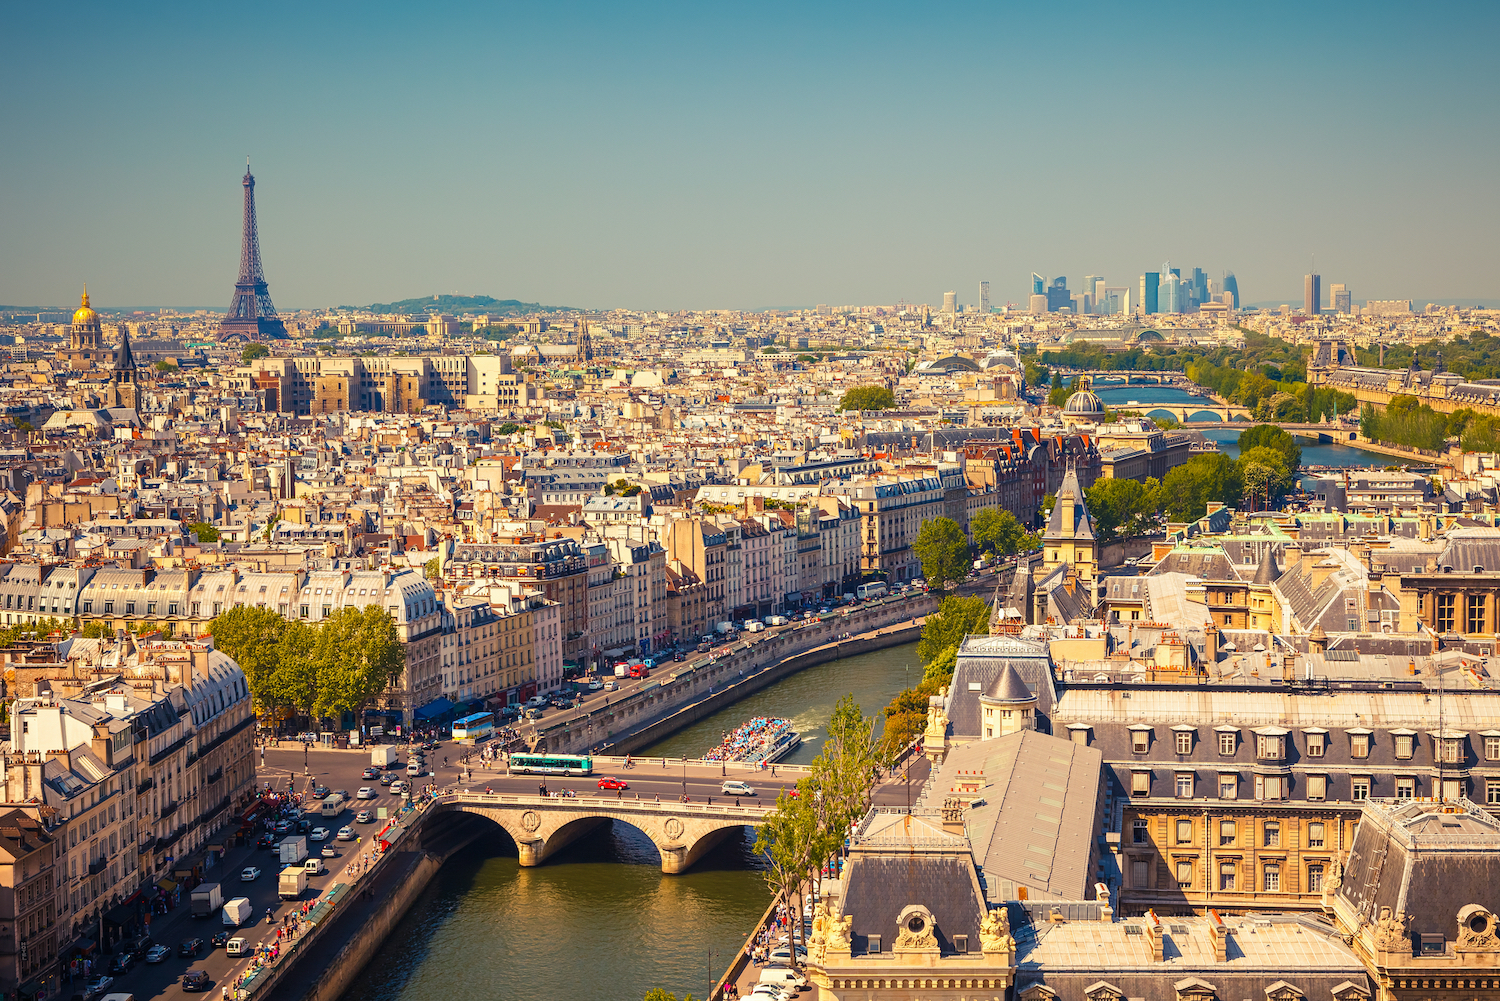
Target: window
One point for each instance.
(172, 608)
(1270, 787)
(1138, 832)
(1403, 745)
(88, 606)
(1315, 744)
(1453, 750)
(1184, 785)
(1140, 783)
(1227, 831)
(1268, 746)
(1140, 741)
(1226, 875)
(1272, 834)
(1272, 882)
(1315, 878)
(1359, 745)
(1445, 613)
(1476, 613)
(1315, 834)
(1140, 873)
(1492, 748)
(1317, 787)
(1184, 832)
(1227, 743)
(1184, 874)
(1406, 787)
(1184, 742)
(1229, 786)
(1492, 792)
(1079, 736)
(1359, 788)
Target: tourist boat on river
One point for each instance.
(761, 740)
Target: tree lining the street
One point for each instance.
(319, 669)
(944, 551)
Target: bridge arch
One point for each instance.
(542, 827)
(1201, 415)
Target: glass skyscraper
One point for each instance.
(1150, 283)
(1233, 288)
(1169, 294)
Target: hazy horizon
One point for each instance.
(682, 157)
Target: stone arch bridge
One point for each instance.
(540, 826)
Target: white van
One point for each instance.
(237, 946)
(313, 866)
(734, 787)
(414, 767)
(782, 976)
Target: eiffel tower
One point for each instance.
(251, 315)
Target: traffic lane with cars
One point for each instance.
(164, 979)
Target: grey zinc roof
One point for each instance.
(981, 659)
(879, 886)
(1036, 825)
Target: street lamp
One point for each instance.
(684, 778)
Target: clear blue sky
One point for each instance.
(748, 155)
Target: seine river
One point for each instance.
(599, 921)
(1330, 454)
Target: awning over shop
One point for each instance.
(119, 915)
(166, 884)
(436, 707)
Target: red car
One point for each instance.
(610, 782)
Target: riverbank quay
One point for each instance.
(681, 694)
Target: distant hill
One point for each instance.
(461, 304)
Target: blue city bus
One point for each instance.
(475, 728)
(552, 764)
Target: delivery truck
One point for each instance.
(207, 898)
(294, 849)
(238, 912)
(293, 881)
(382, 755)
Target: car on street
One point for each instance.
(266, 841)
(534, 713)
(364, 817)
(370, 773)
(398, 787)
(346, 833)
(343, 792)
(249, 874)
(283, 827)
(782, 955)
(157, 953)
(610, 782)
(121, 963)
(190, 948)
(365, 792)
(320, 791)
(319, 834)
(595, 684)
(329, 852)
(196, 981)
(219, 940)
(429, 746)
(387, 778)
(734, 787)
(97, 986)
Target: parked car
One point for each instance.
(346, 833)
(157, 953)
(190, 948)
(610, 782)
(196, 981)
(249, 874)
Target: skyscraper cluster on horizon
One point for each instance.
(1164, 291)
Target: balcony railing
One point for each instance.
(145, 786)
(168, 809)
(97, 866)
(146, 845)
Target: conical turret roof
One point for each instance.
(1268, 571)
(1008, 687)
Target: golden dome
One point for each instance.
(85, 316)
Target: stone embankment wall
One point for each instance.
(677, 698)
